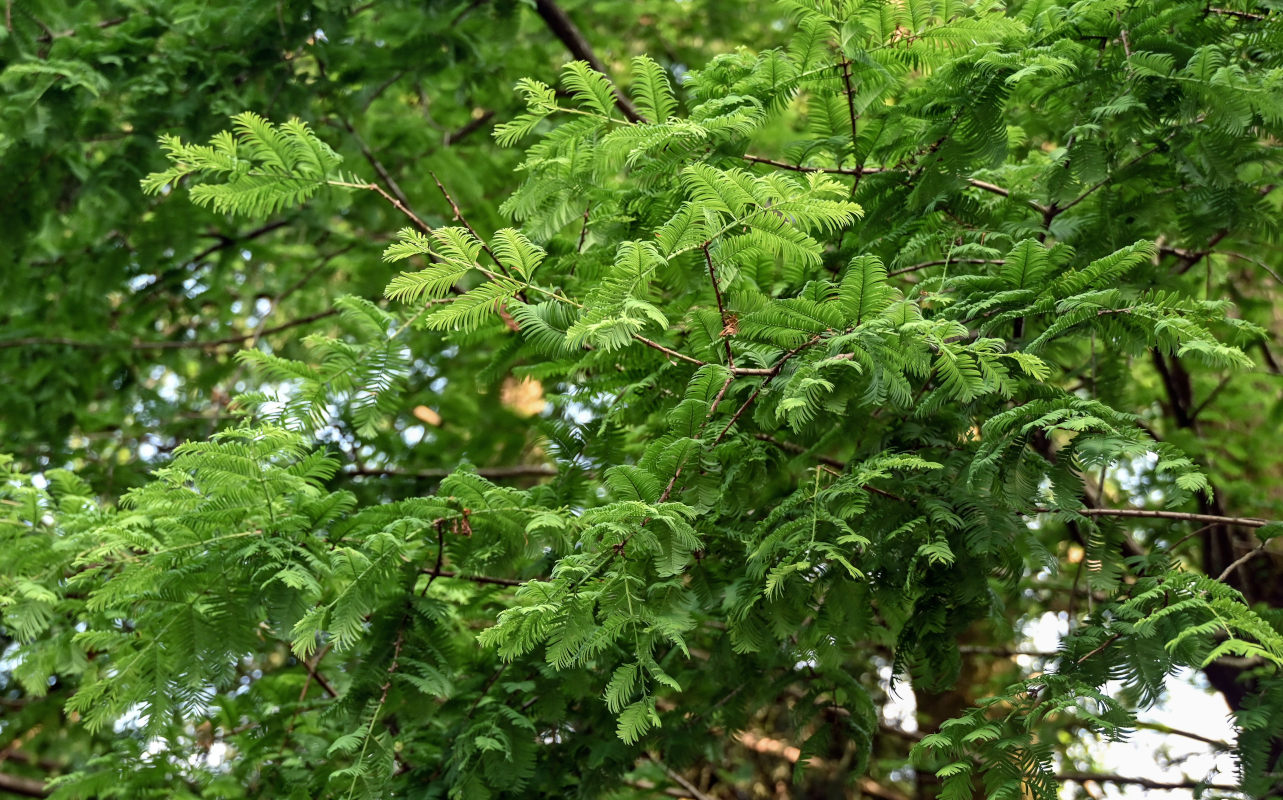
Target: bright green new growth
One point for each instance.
(726, 321)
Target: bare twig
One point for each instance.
(34, 341)
(458, 216)
(668, 351)
(1241, 560)
(583, 230)
(402, 202)
(488, 579)
(721, 309)
(1101, 649)
(489, 473)
(1081, 777)
(396, 203)
(1229, 12)
(943, 261)
(49, 36)
(477, 122)
(23, 787)
(1247, 522)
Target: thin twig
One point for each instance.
(1247, 522)
(476, 123)
(458, 216)
(583, 230)
(668, 351)
(488, 579)
(771, 375)
(1229, 12)
(403, 202)
(397, 204)
(1081, 777)
(489, 473)
(943, 261)
(1241, 560)
(33, 341)
(721, 309)
(1100, 649)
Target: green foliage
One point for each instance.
(790, 384)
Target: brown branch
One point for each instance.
(721, 309)
(1186, 259)
(49, 36)
(1085, 194)
(1233, 254)
(943, 261)
(850, 107)
(857, 171)
(313, 671)
(829, 461)
(564, 29)
(400, 200)
(1170, 731)
(797, 449)
(33, 341)
(23, 787)
(668, 351)
(488, 579)
(771, 375)
(1229, 12)
(583, 230)
(489, 473)
(227, 241)
(862, 170)
(1103, 645)
(1082, 777)
(1240, 561)
(712, 409)
(1247, 522)
(458, 216)
(397, 204)
(486, 690)
(476, 123)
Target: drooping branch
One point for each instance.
(1247, 522)
(489, 473)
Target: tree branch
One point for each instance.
(34, 341)
(721, 309)
(472, 125)
(943, 261)
(23, 787)
(1247, 522)
(1082, 777)
(445, 573)
(489, 473)
(564, 29)
(1228, 12)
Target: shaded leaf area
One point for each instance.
(653, 458)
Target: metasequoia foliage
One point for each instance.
(815, 411)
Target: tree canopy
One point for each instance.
(380, 430)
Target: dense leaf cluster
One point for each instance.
(838, 340)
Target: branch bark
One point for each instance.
(564, 29)
(34, 341)
(23, 787)
(1081, 777)
(490, 473)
